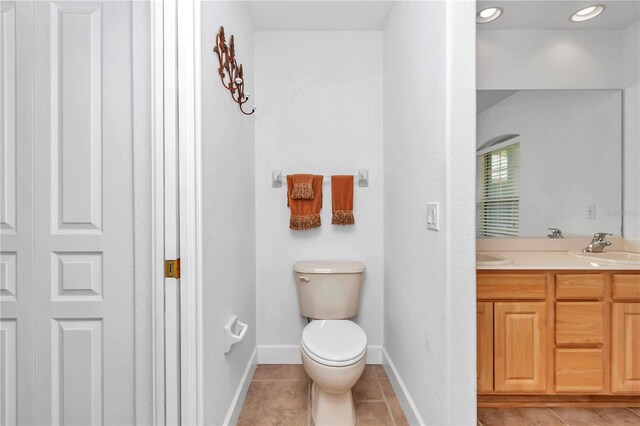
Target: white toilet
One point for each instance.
(333, 349)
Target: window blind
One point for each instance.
(498, 201)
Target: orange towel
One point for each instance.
(302, 187)
(305, 214)
(342, 200)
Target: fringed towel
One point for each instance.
(342, 200)
(302, 187)
(305, 214)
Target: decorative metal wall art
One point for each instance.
(231, 73)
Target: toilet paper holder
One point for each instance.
(234, 331)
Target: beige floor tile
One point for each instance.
(373, 414)
(276, 402)
(280, 372)
(379, 369)
(280, 395)
(392, 401)
(598, 416)
(367, 388)
(635, 410)
(518, 417)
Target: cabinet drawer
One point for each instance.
(626, 286)
(579, 286)
(579, 370)
(579, 323)
(511, 286)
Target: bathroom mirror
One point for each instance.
(548, 159)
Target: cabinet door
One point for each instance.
(484, 321)
(625, 348)
(520, 346)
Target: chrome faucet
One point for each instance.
(598, 243)
(555, 233)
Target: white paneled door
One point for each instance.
(66, 218)
(16, 233)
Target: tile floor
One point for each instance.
(280, 395)
(559, 416)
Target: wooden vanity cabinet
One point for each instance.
(484, 346)
(581, 305)
(625, 351)
(512, 332)
(625, 334)
(520, 358)
(558, 337)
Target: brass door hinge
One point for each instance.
(172, 268)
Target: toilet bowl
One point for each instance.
(334, 354)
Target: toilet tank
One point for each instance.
(328, 289)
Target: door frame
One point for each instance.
(190, 207)
(157, 216)
(177, 210)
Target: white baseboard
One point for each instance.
(285, 354)
(241, 392)
(290, 354)
(408, 406)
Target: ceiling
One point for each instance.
(303, 15)
(554, 15)
(485, 99)
(372, 15)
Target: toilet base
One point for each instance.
(331, 409)
(331, 400)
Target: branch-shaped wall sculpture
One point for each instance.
(231, 73)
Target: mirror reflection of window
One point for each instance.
(499, 192)
(569, 162)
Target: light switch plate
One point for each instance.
(433, 216)
(591, 211)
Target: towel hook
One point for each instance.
(230, 69)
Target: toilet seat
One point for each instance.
(335, 343)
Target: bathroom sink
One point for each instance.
(622, 257)
(486, 259)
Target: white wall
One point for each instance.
(429, 134)
(228, 210)
(570, 59)
(570, 154)
(319, 97)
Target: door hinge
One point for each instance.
(172, 268)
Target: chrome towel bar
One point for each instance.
(361, 178)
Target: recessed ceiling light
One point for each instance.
(489, 14)
(588, 13)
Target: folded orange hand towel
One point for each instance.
(305, 214)
(302, 187)
(342, 200)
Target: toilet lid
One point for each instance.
(334, 342)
